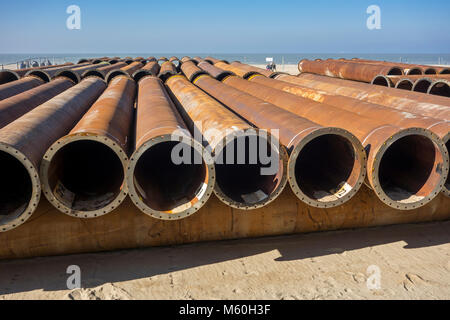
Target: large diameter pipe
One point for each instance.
(386, 115)
(50, 73)
(267, 73)
(158, 185)
(237, 70)
(83, 173)
(347, 70)
(103, 71)
(326, 166)
(214, 60)
(402, 177)
(76, 74)
(18, 105)
(411, 69)
(150, 69)
(16, 87)
(167, 69)
(217, 73)
(191, 71)
(408, 69)
(240, 183)
(392, 81)
(13, 75)
(427, 105)
(128, 70)
(24, 142)
(440, 87)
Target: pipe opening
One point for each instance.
(8, 76)
(327, 168)
(70, 75)
(16, 188)
(395, 71)
(422, 85)
(165, 186)
(381, 81)
(243, 179)
(40, 74)
(430, 71)
(93, 73)
(406, 169)
(440, 88)
(405, 84)
(445, 71)
(414, 71)
(85, 175)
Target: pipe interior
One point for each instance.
(440, 89)
(165, 186)
(16, 187)
(326, 168)
(422, 85)
(242, 176)
(445, 71)
(381, 81)
(406, 169)
(415, 71)
(395, 72)
(7, 76)
(430, 71)
(405, 85)
(85, 175)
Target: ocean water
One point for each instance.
(279, 58)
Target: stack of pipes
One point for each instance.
(170, 133)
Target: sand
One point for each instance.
(332, 265)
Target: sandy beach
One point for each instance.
(332, 265)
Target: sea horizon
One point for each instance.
(250, 58)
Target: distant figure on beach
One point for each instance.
(272, 67)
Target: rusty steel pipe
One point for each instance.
(400, 176)
(267, 73)
(16, 87)
(347, 69)
(217, 73)
(386, 115)
(83, 173)
(408, 69)
(167, 69)
(76, 74)
(240, 184)
(440, 87)
(18, 105)
(151, 68)
(214, 60)
(13, 75)
(414, 102)
(392, 81)
(128, 70)
(50, 73)
(191, 71)
(326, 166)
(237, 70)
(157, 185)
(24, 142)
(103, 71)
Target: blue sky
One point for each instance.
(227, 26)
